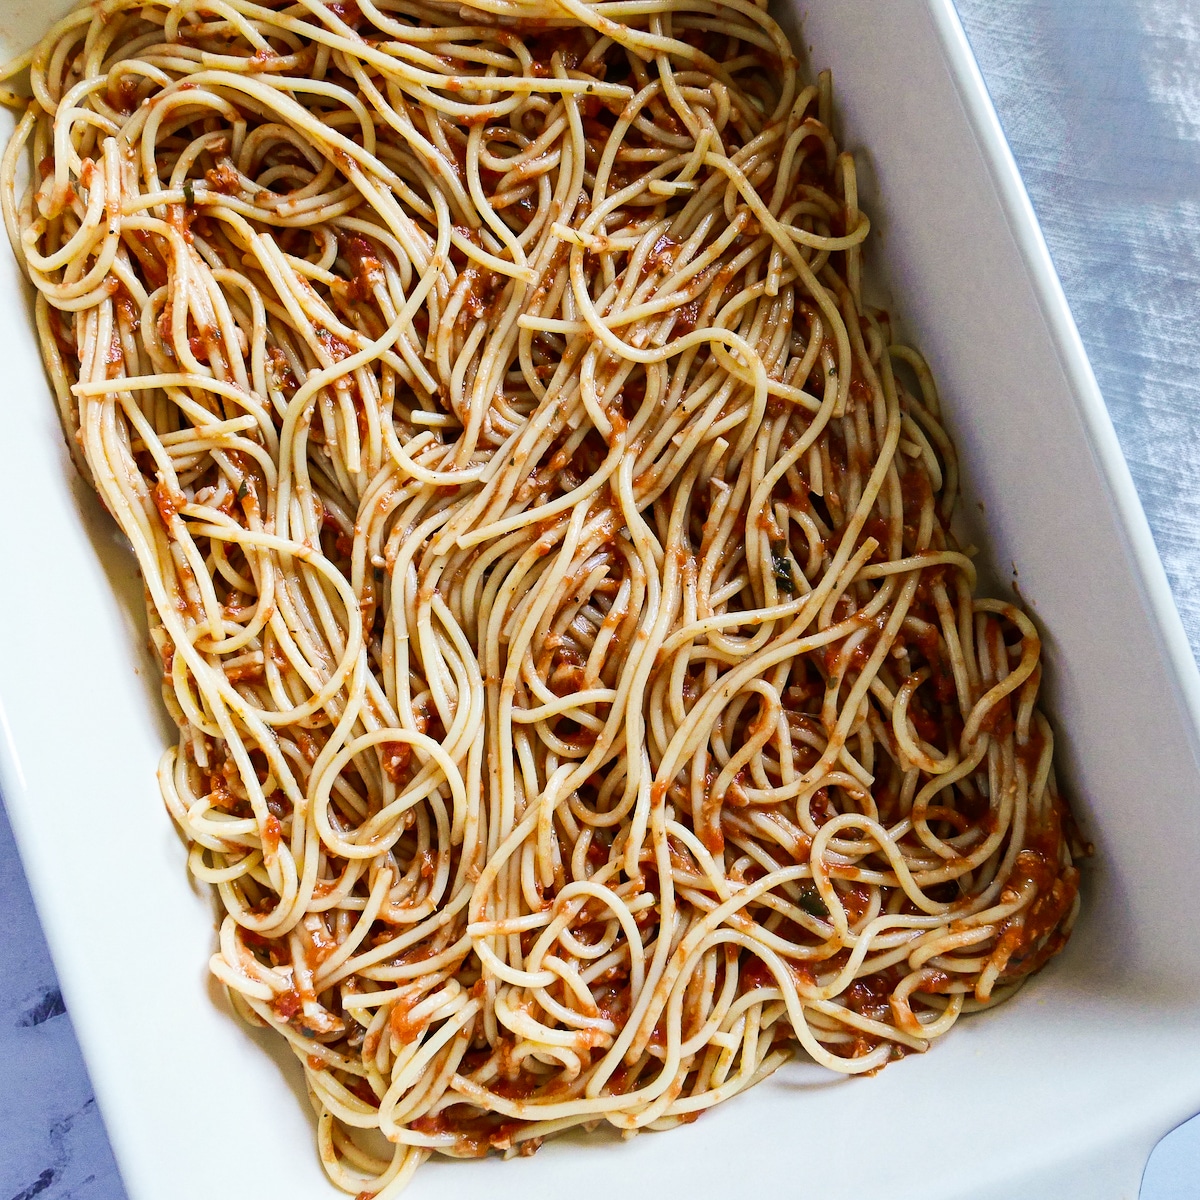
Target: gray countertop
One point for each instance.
(1100, 100)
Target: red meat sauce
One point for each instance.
(571, 44)
(248, 672)
(566, 674)
(754, 975)
(359, 1087)
(281, 370)
(476, 1134)
(1029, 752)
(397, 756)
(999, 719)
(686, 317)
(568, 472)
(929, 728)
(366, 269)
(815, 168)
(929, 642)
(663, 253)
(288, 1004)
(346, 10)
(272, 833)
(868, 1000)
(203, 342)
(401, 1023)
(916, 495)
(335, 346)
(1033, 935)
(129, 316)
(223, 178)
(122, 93)
(168, 503)
(960, 821)
(483, 288)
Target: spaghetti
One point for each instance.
(583, 701)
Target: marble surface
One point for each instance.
(1100, 100)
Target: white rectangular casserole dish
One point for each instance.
(1059, 1094)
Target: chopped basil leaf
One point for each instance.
(782, 568)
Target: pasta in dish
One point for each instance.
(584, 703)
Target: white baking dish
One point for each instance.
(1060, 1094)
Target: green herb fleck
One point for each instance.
(832, 372)
(782, 568)
(811, 902)
(189, 192)
(243, 490)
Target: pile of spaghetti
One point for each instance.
(583, 701)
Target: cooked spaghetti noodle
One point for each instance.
(583, 701)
